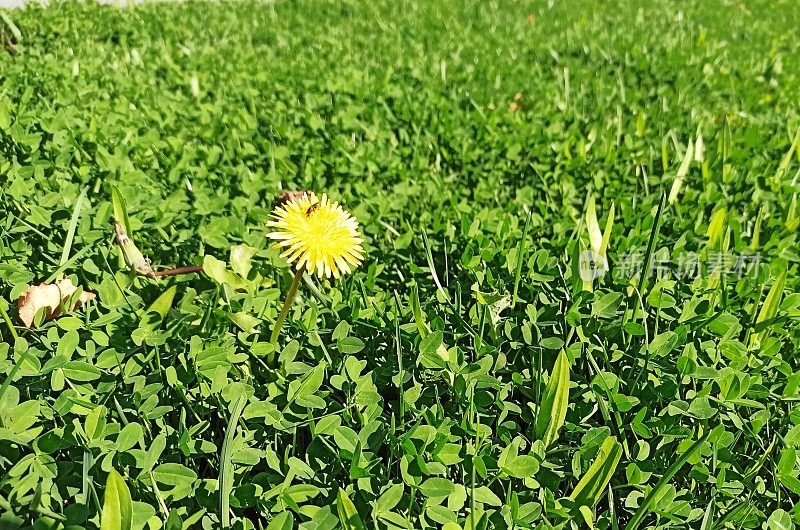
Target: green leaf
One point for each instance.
(431, 343)
(129, 436)
(769, 309)
(241, 256)
(282, 521)
(117, 504)
(174, 521)
(593, 226)
(437, 487)
(10, 26)
(683, 170)
(306, 385)
(716, 227)
(389, 498)
(555, 401)
(552, 343)
(486, 496)
(217, 270)
(5, 114)
(593, 483)
(350, 345)
(95, 422)
(779, 520)
(80, 371)
(521, 466)
(606, 306)
(163, 303)
(607, 232)
(174, 474)
(244, 321)
(120, 210)
(348, 515)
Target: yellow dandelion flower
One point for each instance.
(317, 234)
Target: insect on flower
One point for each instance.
(311, 209)
(327, 243)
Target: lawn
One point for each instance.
(579, 297)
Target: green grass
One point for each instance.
(467, 139)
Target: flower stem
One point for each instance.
(287, 304)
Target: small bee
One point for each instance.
(311, 209)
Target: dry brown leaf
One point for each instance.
(49, 295)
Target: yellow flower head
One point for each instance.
(317, 234)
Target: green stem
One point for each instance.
(287, 304)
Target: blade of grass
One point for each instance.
(73, 225)
(644, 507)
(226, 466)
(23, 357)
(521, 249)
(651, 243)
(75, 257)
(432, 266)
(88, 460)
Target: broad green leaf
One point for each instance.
(244, 321)
(779, 520)
(593, 483)
(80, 371)
(121, 210)
(241, 256)
(431, 343)
(437, 487)
(306, 385)
(593, 226)
(389, 498)
(769, 309)
(217, 270)
(282, 521)
(606, 306)
(348, 515)
(174, 521)
(163, 303)
(174, 474)
(95, 422)
(716, 227)
(129, 436)
(555, 401)
(521, 466)
(350, 345)
(117, 504)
